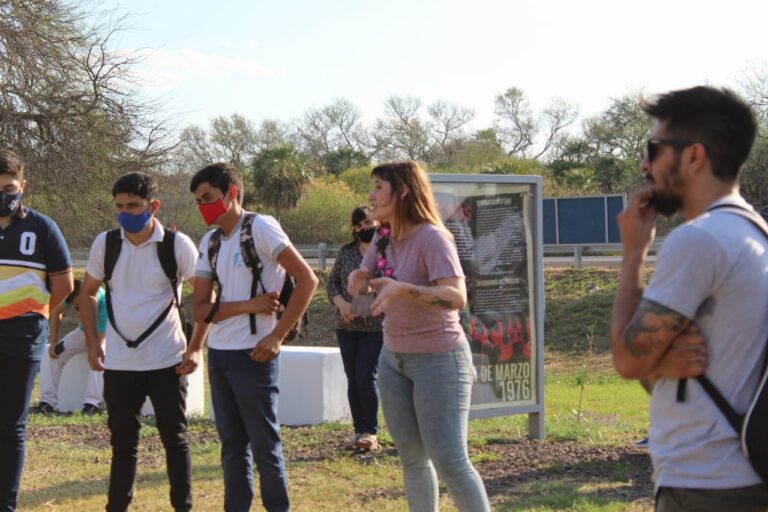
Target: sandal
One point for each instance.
(368, 442)
(352, 443)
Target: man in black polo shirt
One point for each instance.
(35, 276)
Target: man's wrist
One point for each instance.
(633, 259)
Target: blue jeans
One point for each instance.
(244, 399)
(360, 355)
(17, 378)
(425, 399)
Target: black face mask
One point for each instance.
(9, 203)
(365, 235)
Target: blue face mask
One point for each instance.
(133, 223)
(9, 203)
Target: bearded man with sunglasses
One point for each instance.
(711, 272)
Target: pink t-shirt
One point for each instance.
(424, 256)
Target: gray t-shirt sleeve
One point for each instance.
(689, 267)
(441, 257)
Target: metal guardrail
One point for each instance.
(322, 252)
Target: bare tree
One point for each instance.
(272, 133)
(234, 138)
(69, 105)
(621, 130)
(402, 133)
(555, 118)
(515, 123)
(447, 126)
(333, 128)
(754, 87)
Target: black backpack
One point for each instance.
(752, 426)
(252, 261)
(167, 257)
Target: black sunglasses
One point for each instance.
(653, 146)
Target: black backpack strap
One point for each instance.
(214, 245)
(113, 245)
(166, 253)
(251, 260)
(735, 419)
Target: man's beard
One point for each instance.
(666, 204)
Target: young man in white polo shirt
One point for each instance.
(245, 338)
(140, 293)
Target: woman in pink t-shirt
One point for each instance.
(425, 367)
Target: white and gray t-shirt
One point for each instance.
(140, 292)
(713, 270)
(270, 240)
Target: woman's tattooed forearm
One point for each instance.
(429, 298)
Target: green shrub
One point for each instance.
(322, 215)
(358, 179)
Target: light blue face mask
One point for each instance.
(133, 223)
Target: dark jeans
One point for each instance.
(244, 399)
(17, 378)
(742, 499)
(124, 394)
(360, 355)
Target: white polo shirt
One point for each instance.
(140, 292)
(270, 240)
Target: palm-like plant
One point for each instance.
(279, 175)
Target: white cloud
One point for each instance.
(166, 69)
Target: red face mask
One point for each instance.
(214, 210)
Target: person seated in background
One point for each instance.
(61, 352)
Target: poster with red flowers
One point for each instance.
(492, 227)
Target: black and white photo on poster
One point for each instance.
(493, 241)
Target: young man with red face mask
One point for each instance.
(140, 294)
(243, 356)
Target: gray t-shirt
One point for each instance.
(421, 258)
(714, 270)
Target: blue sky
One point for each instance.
(274, 59)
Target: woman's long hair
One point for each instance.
(418, 206)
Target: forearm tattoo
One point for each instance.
(429, 298)
(652, 328)
(443, 303)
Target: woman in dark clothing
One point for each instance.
(360, 337)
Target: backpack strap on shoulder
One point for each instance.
(166, 253)
(113, 245)
(251, 260)
(214, 245)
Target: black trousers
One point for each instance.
(124, 394)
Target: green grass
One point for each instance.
(68, 458)
(591, 415)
